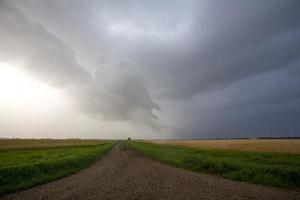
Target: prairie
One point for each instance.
(265, 168)
(124, 174)
(44, 143)
(258, 145)
(26, 163)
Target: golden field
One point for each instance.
(261, 145)
(44, 143)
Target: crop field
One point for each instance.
(124, 172)
(25, 163)
(265, 168)
(261, 145)
(44, 143)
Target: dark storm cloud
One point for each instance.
(52, 61)
(214, 68)
(266, 104)
(45, 54)
(228, 42)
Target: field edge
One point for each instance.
(17, 179)
(186, 158)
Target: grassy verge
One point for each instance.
(6, 144)
(272, 169)
(23, 168)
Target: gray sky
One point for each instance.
(149, 69)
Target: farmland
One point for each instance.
(25, 163)
(256, 145)
(127, 174)
(265, 168)
(6, 144)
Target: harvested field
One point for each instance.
(264, 145)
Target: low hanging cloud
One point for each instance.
(52, 61)
(194, 69)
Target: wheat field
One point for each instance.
(260, 145)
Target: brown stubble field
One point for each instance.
(258, 145)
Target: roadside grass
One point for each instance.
(272, 169)
(6, 144)
(24, 168)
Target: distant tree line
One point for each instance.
(278, 138)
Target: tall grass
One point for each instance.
(24, 168)
(272, 169)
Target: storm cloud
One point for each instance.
(193, 69)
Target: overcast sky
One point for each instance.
(149, 69)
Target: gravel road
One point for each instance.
(124, 174)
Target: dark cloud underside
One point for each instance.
(184, 69)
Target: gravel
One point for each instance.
(124, 174)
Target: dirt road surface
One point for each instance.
(124, 174)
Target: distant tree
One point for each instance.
(129, 138)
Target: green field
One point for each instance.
(6, 144)
(272, 169)
(26, 167)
